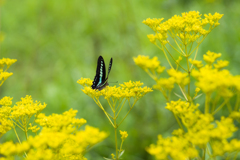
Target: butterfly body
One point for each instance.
(100, 79)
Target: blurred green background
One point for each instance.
(58, 42)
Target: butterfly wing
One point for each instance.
(109, 67)
(100, 76)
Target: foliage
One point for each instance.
(60, 136)
(200, 134)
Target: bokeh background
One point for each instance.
(58, 42)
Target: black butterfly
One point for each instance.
(100, 80)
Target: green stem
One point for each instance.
(151, 75)
(165, 56)
(220, 107)
(204, 152)
(229, 107)
(178, 121)
(121, 108)
(18, 138)
(237, 102)
(17, 135)
(25, 131)
(207, 103)
(189, 72)
(115, 129)
(100, 105)
(183, 93)
(131, 107)
(174, 60)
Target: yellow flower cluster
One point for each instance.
(211, 79)
(175, 147)
(124, 135)
(222, 147)
(164, 84)
(148, 64)
(151, 66)
(201, 129)
(5, 63)
(180, 78)
(127, 90)
(187, 28)
(60, 138)
(180, 107)
(210, 57)
(5, 112)
(116, 98)
(25, 109)
(68, 121)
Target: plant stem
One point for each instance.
(207, 103)
(115, 128)
(236, 104)
(178, 121)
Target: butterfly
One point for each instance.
(100, 80)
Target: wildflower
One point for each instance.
(34, 128)
(65, 122)
(165, 83)
(196, 63)
(26, 107)
(209, 80)
(181, 107)
(221, 64)
(174, 147)
(180, 78)
(5, 112)
(210, 57)
(6, 101)
(124, 135)
(235, 115)
(127, 90)
(188, 28)
(4, 76)
(5, 63)
(145, 63)
(85, 82)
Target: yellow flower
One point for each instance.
(165, 83)
(26, 108)
(6, 101)
(152, 38)
(34, 128)
(188, 28)
(127, 90)
(174, 147)
(90, 136)
(196, 63)
(181, 107)
(6, 61)
(65, 122)
(180, 78)
(145, 63)
(152, 23)
(235, 115)
(4, 76)
(210, 57)
(85, 82)
(8, 148)
(124, 135)
(213, 19)
(221, 64)
(209, 80)
(224, 129)
(5, 112)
